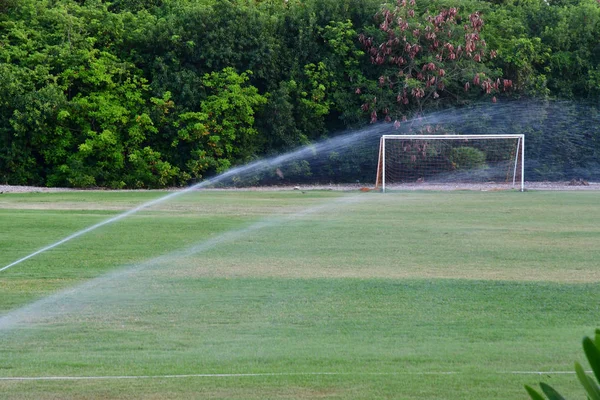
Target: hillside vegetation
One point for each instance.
(155, 93)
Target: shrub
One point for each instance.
(467, 158)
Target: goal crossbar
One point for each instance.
(458, 137)
(519, 160)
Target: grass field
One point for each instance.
(323, 294)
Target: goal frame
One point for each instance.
(520, 153)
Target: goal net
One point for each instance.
(459, 161)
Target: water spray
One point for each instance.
(254, 167)
(75, 298)
(560, 139)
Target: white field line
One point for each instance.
(545, 372)
(264, 374)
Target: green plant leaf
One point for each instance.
(550, 392)
(593, 355)
(588, 383)
(533, 394)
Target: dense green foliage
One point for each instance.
(150, 93)
(467, 158)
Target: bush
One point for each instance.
(467, 158)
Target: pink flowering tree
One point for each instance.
(427, 60)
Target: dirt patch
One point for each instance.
(294, 269)
(489, 186)
(30, 189)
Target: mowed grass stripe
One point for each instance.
(183, 325)
(156, 234)
(243, 325)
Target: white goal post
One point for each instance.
(413, 160)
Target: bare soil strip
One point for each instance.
(489, 186)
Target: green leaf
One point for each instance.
(550, 392)
(593, 355)
(588, 383)
(533, 394)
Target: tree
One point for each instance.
(549, 48)
(109, 120)
(276, 121)
(345, 60)
(427, 60)
(222, 133)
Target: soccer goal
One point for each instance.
(454, 161)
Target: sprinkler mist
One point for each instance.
(128, 284)
(238, 173)
(561, 142)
